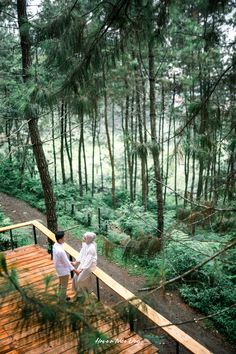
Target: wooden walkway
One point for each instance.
(33, 264)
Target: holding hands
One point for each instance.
(77, 271)
(75, 264)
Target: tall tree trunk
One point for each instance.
(85, 167)
(175, 161)
(213, 172)
(135, 166)
(187, 160)
(134, 144)
(112, 162)
(8, 127)
(192, 95)
(19, 141)
(40, 158)
(130, 141)
(142, 147)
(100, 159)
(155, 147)
(113, 128)
(162, 120)
(62, 133)
(231, 177)
(168, 141)
(68, 145)
(144, 122)
(204, 123)
(54, 147)
(81, 120)
(94, 129)
(207, 178)
(193, 166)
(125, 152)
(23, 161)
(218, 161)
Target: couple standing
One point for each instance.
(83, 266)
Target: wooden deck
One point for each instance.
(33, 264)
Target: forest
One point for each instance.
(120, 117)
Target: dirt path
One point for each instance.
(170, 306)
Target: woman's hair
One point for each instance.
(90, 236)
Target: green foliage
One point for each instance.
(107, 214)
(31, 191)
(4, 221)
(5, 242)
(28, 188)
(210, 300)
(159, 270)
(32, 187)
(68, 192)
(194, 107)
(11, 276)
(154, 339)
(135, 222)
(3, 265)
(20, 237)
(181, 259)
(119, 238)
(9, 176)
(182, 213)
(229, 265)
(83, 217)
(121, 198)
(225, 224)
(142, 247)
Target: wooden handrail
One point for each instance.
(17, 226)
(173, 331)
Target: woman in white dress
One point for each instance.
(86, 262)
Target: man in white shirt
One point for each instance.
(62, 264)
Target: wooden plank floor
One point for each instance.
(33, 264)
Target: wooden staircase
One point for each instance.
(33, 264)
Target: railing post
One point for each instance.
(35, 236)
(99, 219)
(50, 243)
(89, 219)
(71, 273)
(98, 289)
(177, 347)
(12, 242)
(131, 317)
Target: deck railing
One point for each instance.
(179, 336)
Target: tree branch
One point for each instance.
(195, 320)
(192, 202)
(202, 104)
(199, 265)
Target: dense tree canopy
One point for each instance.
(131, 99)
(161, 73)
